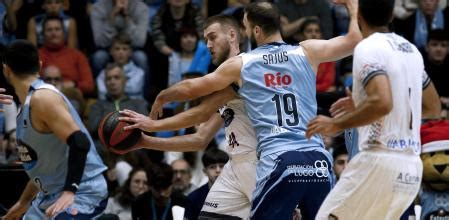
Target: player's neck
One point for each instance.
(22, 86)
(270, 38)
(233, 51)
(371, 30)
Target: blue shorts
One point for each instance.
(289, 179)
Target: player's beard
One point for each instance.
(252, 39)
(223, 56)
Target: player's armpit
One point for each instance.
(50, 114)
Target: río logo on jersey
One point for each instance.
(277, 79)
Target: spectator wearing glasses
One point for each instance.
(182, 176)
(52, 75)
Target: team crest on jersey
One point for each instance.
(26, 154)
(227, 114)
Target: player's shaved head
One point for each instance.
(227, 22)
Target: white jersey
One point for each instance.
(390, 54)
(239, 131)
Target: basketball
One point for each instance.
(113, 136)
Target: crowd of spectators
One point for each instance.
(108, 55)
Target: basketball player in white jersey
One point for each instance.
(383, 179)
(230, 195)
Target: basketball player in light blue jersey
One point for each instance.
(277, 82)
(66, 180)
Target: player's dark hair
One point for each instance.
(377, 13)
(264, 15)
(213, 156)
(438, 35)
(22, 58)
(224, 20)
(160, 176)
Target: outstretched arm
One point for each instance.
(189, 118)
(184, 143)
(226, 73)
(319, 51)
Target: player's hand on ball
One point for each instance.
(63, 203)
(16, 211)
(322, 125)
(136, 120)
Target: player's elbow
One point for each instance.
(200, 142)
(384, 106)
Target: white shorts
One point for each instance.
(375, 185)
(232, 191)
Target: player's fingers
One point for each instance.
(50, 210)
(125, 119)
(130, 127)
(125, 113)
(338, 112)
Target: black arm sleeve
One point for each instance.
(78, 149)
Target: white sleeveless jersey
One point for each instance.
(390, 54)
(239, 130)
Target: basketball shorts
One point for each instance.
(230, 196)
(375, 185)
(290, 179)
(90, 202)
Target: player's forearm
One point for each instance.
(182, 91)
(189, 118)
(371, 110)
(354, 36)
(28, 193)
(184, 143)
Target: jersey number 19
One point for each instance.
(286, 103)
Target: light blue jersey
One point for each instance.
(278, 85)
(45, 159)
